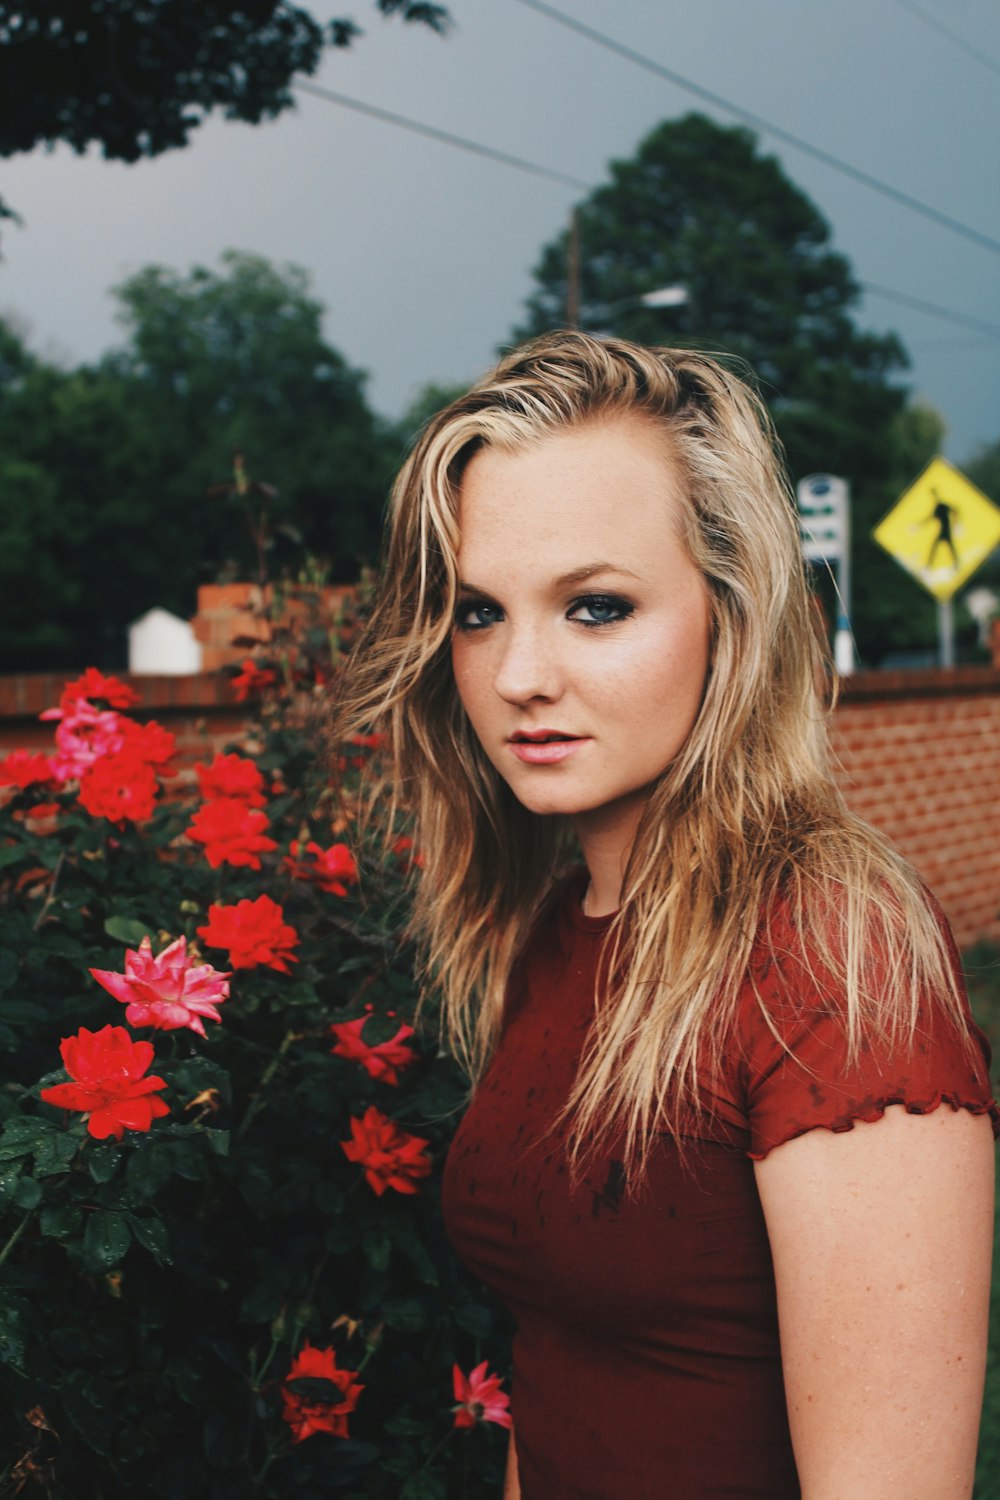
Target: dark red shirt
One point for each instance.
(646, 1360)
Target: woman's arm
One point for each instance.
(882, 1239)
(511, 1483)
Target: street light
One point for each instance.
(665, 296)
(661, 297)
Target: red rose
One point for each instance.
(22, 769)
(252, 679)
(331, 869)
(479, 1398)
(232, 776)
(390, 1157)
(232, 832)
(316, 1396)
(94, 685)
(255, 933)
(150, 743)
(382, 1060)
(119, 787)
(107, 1069)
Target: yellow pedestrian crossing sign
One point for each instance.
(941, 529)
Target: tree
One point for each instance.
(137, 76)
(983, 468)
(117, 475)
(699, 206)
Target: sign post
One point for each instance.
(941, 530)
(825, 527)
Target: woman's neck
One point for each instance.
(606, 836)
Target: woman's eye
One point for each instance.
(477, 614)
(600, 609)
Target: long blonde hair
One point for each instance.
(746, 817)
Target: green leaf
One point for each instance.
(473, 1318)
(102, 1162)
(11, 854)
(378, 1249)
(423, 1486)
(261, 1305)
(28, 1193)
(106, 1238)
(152, 1236)
(60, 1220)
(10, 1177)
(222, 1440)
(11, 1333)
(8, 970)
(92, 1419)
(55, 1154)
(405, 1427)
(127, 930)
(22, 1136)
(186, 1160)
(417, 1254)
(405, 1313)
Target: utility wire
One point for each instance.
(759, 123)
(418, 128)
(953, 36)
(932, 309)
(448, 138)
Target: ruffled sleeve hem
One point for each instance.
(873, 1108)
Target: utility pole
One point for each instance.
(573, 271)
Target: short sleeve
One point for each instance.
(798, 1073)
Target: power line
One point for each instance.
(759, 123)
(953, 36)
(520, 164)
(932, 309)
(446, 136)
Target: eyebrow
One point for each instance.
(567, 580)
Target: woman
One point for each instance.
(593, 624)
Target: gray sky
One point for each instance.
(423, 253)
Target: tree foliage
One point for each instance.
(117, 492)
(699, 206)
(137, 76)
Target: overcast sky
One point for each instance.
(423, 253)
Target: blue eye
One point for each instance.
(602, 609)
(477, 614)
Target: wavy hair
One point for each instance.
(745, 820)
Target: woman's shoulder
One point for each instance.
(844, 1011)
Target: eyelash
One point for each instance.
(622, 609)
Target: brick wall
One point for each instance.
(919, 756)
(200, 709)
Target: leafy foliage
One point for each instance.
(155, 1290)
(137, 76)
(699, 206)
(115, 480)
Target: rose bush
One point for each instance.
(223, 1273)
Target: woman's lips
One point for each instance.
(545, 752)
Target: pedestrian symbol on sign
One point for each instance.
(941, 529)
(942, 514)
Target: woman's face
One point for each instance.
(581, 644)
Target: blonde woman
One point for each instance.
(728, 1155)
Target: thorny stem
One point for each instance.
(51, 893)
(258, 1099)
(259, 1377)
(5, 1252)
(432, 1455)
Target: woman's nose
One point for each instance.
(528, 668)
